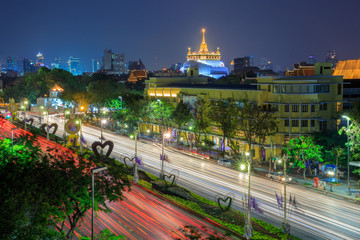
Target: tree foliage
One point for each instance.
(43, 190)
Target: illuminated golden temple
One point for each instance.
(203, 53)
(208, 62)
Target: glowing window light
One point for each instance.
(152, 94)
(166, 95)
(173, 95)
(159, 94)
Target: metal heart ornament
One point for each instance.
(95, 146)
(45, 125)
(30, 121)
(226, 208)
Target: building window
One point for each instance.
(338, 107)
(286, 108)
(286, 123)
(304, 123)
(286, 138)
(294, 108)
(325, 106)
(304, 108)
(312, 108)
(312, 123)
(295, 123)
(269, 88)
(339, 89)
(323, 125)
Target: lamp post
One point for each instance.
(348, 152)
(248, 228)
(25, 108)
(66, 112)
(93, 171)
(41, 109)
(136, 174)
(80, 125)
(166, 135)
(103, 121)
(12, 138)
(47, 127)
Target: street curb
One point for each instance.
(324, 192)
(191, 211)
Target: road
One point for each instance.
(141, 215)
(318, 217)
(144, 216)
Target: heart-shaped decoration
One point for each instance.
(53, 125)
(226, 208)
(95, 146)
(130, 160)
(29, 121)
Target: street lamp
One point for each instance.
(348, 152)
(47, 122)
(25, 108)
(93, 171)
(103, 121)
(80, 126)
(248, 227)
(165, 135)
(12, 138)
(136, 174)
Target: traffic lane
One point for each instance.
(142, 215)
(128, 145)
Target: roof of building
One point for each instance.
(350, 69)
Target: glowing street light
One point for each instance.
(93, 171)
(165, 135)
(348, 152)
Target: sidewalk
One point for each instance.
(335, 191)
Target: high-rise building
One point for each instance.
(95, 65)
(74, 66)
(11, 64)
(40, 60)
(27, 66)
(312, 59)
(265, 64)
(331, 57)
(113, 64)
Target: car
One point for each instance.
(224, 162)
(278, 176)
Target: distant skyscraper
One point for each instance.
(95, 65)
(331, 57)
(265, 64)
(113, 64)
(40, 59)
(74, 66)
(11, 64)
(27, 67)
(312, 59)
(241, 64)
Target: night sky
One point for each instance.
(285, 31)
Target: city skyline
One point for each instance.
(159, 37)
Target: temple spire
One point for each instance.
(203, 31)
(203, 46)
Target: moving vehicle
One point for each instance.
(278, 176)
(224, 162)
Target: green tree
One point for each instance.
(302, 149)
(180, 118)
(42, 191)
(224, 115)
(160, 112)
(201, 119)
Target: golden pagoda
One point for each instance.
(203, 53)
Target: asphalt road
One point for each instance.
(318, 216)
(141, 215)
